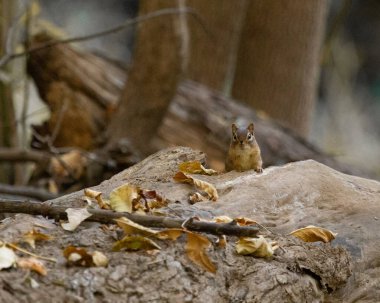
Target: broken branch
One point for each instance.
(108, 216)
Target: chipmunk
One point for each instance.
(244, 152)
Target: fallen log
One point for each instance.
(198, 117)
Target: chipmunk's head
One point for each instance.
(242, 136)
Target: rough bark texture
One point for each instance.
(282, 198)
(152, 79)
(279, 54)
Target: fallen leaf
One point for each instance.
(222, 241)
(131, 227)
(171, 233)
(70, 164)
(258, 247)
(122, 197)
(75, 217)
(32, 264)
(202, 185)
(196, 251)
(196, 197)
(152, 199)
(99, 259)
(195, 167)
(34, 235)
(222, 219)
(7, 257)
(314, 234)
(78, 256)
(243, 221)
(97, 195)
(132, 242)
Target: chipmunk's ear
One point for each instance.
(251, 127)
(234, 128)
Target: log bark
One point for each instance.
(198, 117)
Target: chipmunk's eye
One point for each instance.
(235, 137)
(249, 136)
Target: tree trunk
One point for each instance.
(213, 54)
(152, 79)
(7, 113)
(277, 69)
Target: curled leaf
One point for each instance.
(196, 251)
(258, 247)
(75, 217)
(131, 227)
(202, 185)
(196, 197)
(32, 264)
(34, 235)
(7, 257)
(243, 221)
(97, 195)
(122, 198)
(314, 234)
(195, 167)
(222, 219)
(131, 242)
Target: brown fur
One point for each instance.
(244, 152)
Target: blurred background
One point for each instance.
(306, 71)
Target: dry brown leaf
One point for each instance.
(243, 221)
(7, 257)
(71, 164)
(78, 256)
(222, 219)
(258, 247)
(32, 264)
(75, 217)
(122, 198)
(202, 185)
(131, 227)
(34, 235)
(196, 251)
(99, 259)
(97, 195)
(222, 241)
(196, 197)
(171, 233)
(314, 234)
(195, 167)
(131, 242)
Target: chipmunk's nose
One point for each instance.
(241, 142)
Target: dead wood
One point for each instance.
(108, 216)
(198, 117)
(27, 191)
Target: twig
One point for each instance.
(23, 155)
(30, 253)
(168, 11)
(108, 216)
(27, 192)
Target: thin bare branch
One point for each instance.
(108, 216)
(169, 11)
